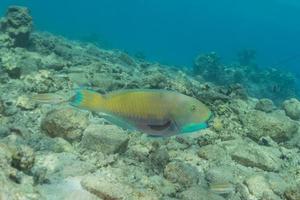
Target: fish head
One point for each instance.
(192, 115)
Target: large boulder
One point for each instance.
(260, 188)
(250, 154)
(293, 193)
(23, 158)
(292, 108)
(243, 152)
(107, 139)
(181, 173)
(265, 105)
(275, 125)
(67, 123)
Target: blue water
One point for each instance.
(175, 31)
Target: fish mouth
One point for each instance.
(194, 127)
(198, 126)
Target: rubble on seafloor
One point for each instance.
(58, 152)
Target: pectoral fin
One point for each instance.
(160, 127)
(118, 121)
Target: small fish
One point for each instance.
(48, 98)
(155, 112)
(222, 188)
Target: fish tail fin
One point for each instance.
(87, 99)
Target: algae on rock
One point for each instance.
(66, 123)
(107, 139)
(276, 125)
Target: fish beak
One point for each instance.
(193, 127)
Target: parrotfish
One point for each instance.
(155, 112)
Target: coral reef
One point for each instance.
(246, 57)
(265, 105)
(17, 24)
(258, 82)
(292, 108)
(251, 148)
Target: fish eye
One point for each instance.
(193, 107)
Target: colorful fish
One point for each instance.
(48, 98)
(222, 188)
(155, 112)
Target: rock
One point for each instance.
(293, 192)
(9, 63)
(5, 40)
(265, 105)
(267, 141)
(222, 174)
(5, 154)
(25, 103)
(18, 25)
(198, 193)
(259, 187)
(158, 159)
(212, 152)
(250, 154)
(277, 183)
(43, 81)
(108, 139)
(67, 123)
(23, 159)
(295, 140)
(217, 124)
(66, 189)
(270, 196)
(29, 62)
(61, 145)
(60, 165)
(181, 173)
(125, 59)
(139, 151)
(180, 143)
(14, 191)
(18, 62)
(276, 125)
(39, 175)
(108, 188)
(292, 108)
(160, 185)
(53, 61)
(80, 78)
(8, 106)
(1, 106)
(45, 143)
(4, 131)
